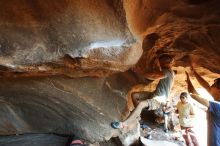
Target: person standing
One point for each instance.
(167, 114)
(186, 118)
(213, 113)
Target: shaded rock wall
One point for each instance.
(58, 105)
(33, 140)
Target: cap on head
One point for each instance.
(165, 59)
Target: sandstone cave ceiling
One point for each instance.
(46, 46)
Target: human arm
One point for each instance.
(192, 112)
(154, 75)
(201, 100)
(190, 87)
(176, 110)
(201, 80)
(167, 108)
(194, 93)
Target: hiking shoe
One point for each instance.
(116, 125)
(165, 130)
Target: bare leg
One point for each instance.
(153, 104)
(136, 113)
(134, 89)
(134, 101)
(193, 137)
(194, 140)
(187, 137)
(126, 112)
(165, 123)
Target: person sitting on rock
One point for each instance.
(159, 96)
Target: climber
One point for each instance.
(159, 96)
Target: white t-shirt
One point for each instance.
(185, 110)
(164, 86)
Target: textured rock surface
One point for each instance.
(65, 37)
(33, 140)
(185, 29)
(44, 44)
(58, 105)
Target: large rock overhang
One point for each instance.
(66, 66)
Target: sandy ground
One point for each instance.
(175, 136)
(159, 137)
